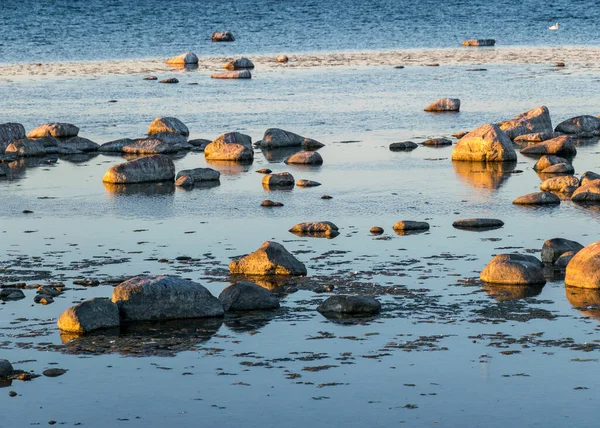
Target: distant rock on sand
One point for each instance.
(479, 42)
(184, 58)
(223, 36)
(239, 64)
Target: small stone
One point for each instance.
(316, 229)
(264, 171)
(307, 183)
(43, 300)
(559, 64)
(278, 180)
(326, 197)
(282, 59)
(376, 230)
(54, 372)
(444, 105)
(350, 305)
(408, 225)
(304, 158)
(12, 394)
(222, 36)
(478, 223)
(269, 203)
(170, 80)
(403, 146)
(150, 78)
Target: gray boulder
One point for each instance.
(116, 146)
(26, 148)
(317, 228)
(278, 180)
(142, 170)
(233, 146)
(239, 64)
(556, 247)
(168, 124)
(79, 144)
(547, 161)
(11, 294)
(562, 146)
(588, 192)
(6, 368)
(270, 259)
(350, 305)
(56, 129)
(247, 296)
(579, 125)
(93, 314)
(403, 146)
(161, 297)
(444, 104)
(537, 198)
(200, 174)
(536, 120)
(488, 143)
(276, 138)
(478, 223)
(584, 268)
(304, 158)
(514, 269)
(307, 183)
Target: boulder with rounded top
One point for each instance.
(142, 170)
(531, 121)
(488, 143)
(270, 259)
(55, 129)
(168, 124)
(584, 268)
(514, 269)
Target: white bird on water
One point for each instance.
(553, 27)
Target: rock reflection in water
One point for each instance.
(16, 169)
(159, 188)
(586, 301)
(489, 175)
(79, 158)
(165, 338)
(400, 232)
(281, 154)
(230, 167)
(249, 321)
(510, 292)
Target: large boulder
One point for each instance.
(537, 198)
(584, 268)
(222, 36)
(304, 158)
(184, 58)
(270, 259)
(561, 184)
(26, 148)
(444, 104)
(579, 125)
(90, 315)
(350, 305)
(488, 143)
(536, 120)
(232, 146)
(317, 228)
(275, 138)
(588, 176)
(161, 297)
(278, 180)
(247, 296)
(556, 247)
(6, 368)
(168, 124)
(514, 269)
(10, 132)
(588, 192)
(200, 174)
(239, 64)
(142, 170)
(562, 146)
(236, 74)
(56, 129)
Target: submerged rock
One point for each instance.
(304, 158)
(168, 124)
(562, 184)
(478, 223)
(547, 161)
(276, 138)
(403, 146)
(161, 297)
(584, 268)
(488, 143)
(56, 129)
(444, 104)
(238, 74)
(141, 170)
(200, 174)
(222, 36)
(79, 144)
(556, 146)
(350, 305)
(479, 42)
(579, 125)
(239, 64)
(170, 80)
(536, 120)
(537, 198)
(269, 203)
(270, 259)
(90, 315)
(247, 296)
(588, 192)
(319, 228)
(184, 58)
(556, 247)
(233, 146)
(199, 144)
(280, 180)
(515, 269)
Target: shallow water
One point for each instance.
(434, 356)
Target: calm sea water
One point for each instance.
(48, 31)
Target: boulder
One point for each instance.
(56, 129)
(564, 259)
(559, 168)
(376, 230)
(538, 198)
(557, 146)
(514, 269)
(403, 146)
(162, 297)
(222, 36)
(199, 144)
(184, 58)
(478, 223)
(479, 42)
(547, 161)
(150, 146)
(275, 138)
(536, 120)
(142, 170)
(239, 64)
(247, 296)
(116, 146)
(184, 181)
(10, 132)
(350, 305)
(536, 137)
(562, 184)
(444, 104)
(588, 192)
(26, 148)
(588, 176)
(200, 174)
(237, 74)
(579, 125)
(90, 315)
(79, 144)
(318, 228)
(280, 179)
(232, 146)
(584, 268)
(169, 80)
(168, 124)
(556, 247)
(437, 142)
(304, 158)
(282, 59)
(11, 294)
(307, 183)
(408, 225)
(6, 368)
(270, 259)
(488, 143)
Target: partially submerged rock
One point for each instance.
(556, 247)
(275, 138)
(403, 146)
(222, 36)
(268, 203)
(184, 181)
(478, 223)
(142, 170)
(488, 143)
(547, 161)
(247, 296)
(537, 198)
(307, 183)
(170, 80)
(168, 124)
(588, 176)
(408, 225)
(26, 148)
(584, 268)
(376, 230)
(350, 305)
(90, 315)
(237, 74)
(579, 125)
(479, 42)
(318, 229)
(184, 58)
(55, 129)
(514, 269)
(270, 259)
(6, 368)
(536, 137)
(78, 144)
(305, 158)
(116, 146)
(161, 297)
(444, 104)
(437, 142)
(557, 146)
(239, 64)
(278, 180)
(588, 192)
(232, 146)
(536, 120)
(10, 132)
(200, 174)
(561, 184)
(199, 144)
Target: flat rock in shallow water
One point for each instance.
(536, 137)
(168, 124)
(318, 228)
(56, 129)
(270, 259)
(488, 143)
(532, 121)
(200, 174)
(478, 223)
(350, 305)
(584, 268)
(142, 170)
(537, 198)
(579, 125)
(556, 247)
(275, 138)
(562, 184)
(403, 146)
(444, 104)
(437, 142)
(161, 297)
(247, 296)
(93, 314)
(305, 158)
(514, 269)
(407, 225)
(307, 183)
(232, 146)
(547, 161)
(238, 74)
(557, 146)
(54, 372)
(588, 192)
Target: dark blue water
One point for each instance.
(67, 30)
